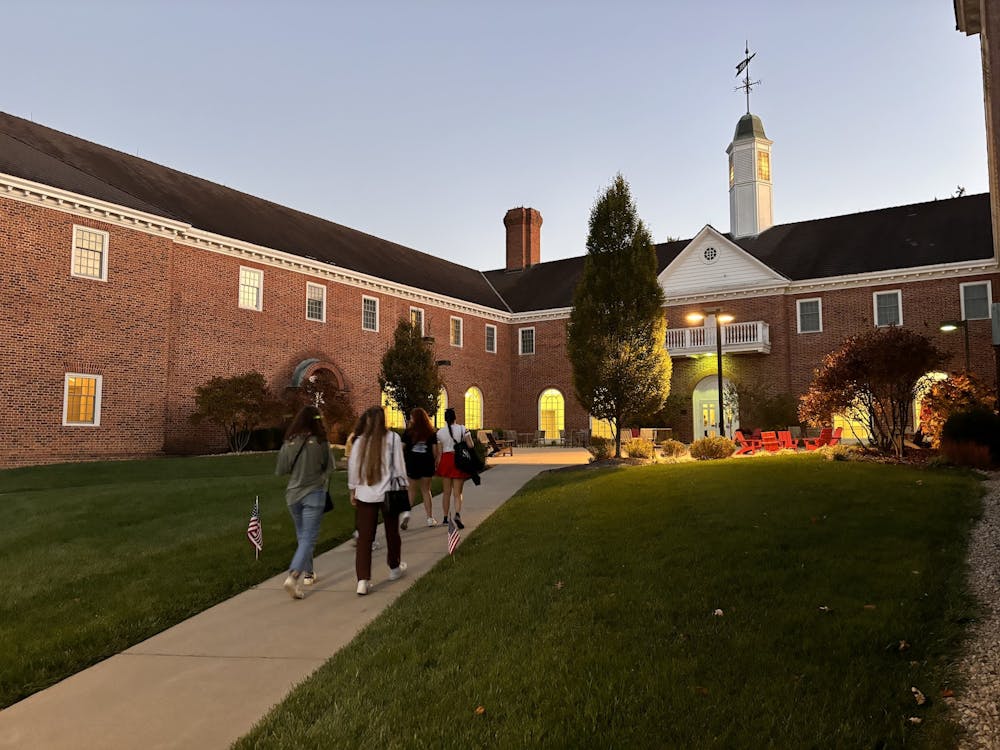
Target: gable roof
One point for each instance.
(40, 154)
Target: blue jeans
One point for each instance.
(307, 515)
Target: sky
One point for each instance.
(424, 122)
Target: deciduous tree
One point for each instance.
(615, 335)
(237, 404)
(409, 376)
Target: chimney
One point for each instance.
(524, 244)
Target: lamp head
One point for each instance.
(952, 325)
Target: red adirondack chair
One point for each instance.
(785, 438)
(825, 435)
(835, 438)
(744, 445)
(769, 441)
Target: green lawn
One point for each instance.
(581, 615)
(96, 557)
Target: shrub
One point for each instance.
(838, 452)
(966, 454)
(960, 392)
(640, 448)
(601, 448)
(978, 426)
(710, 448)
(673, 448)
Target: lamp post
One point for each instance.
(952, 325)
(720, 318)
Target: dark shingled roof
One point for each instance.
(923, 234)
(34, 152)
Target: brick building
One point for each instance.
(126, 284)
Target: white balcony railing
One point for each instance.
(748, 336)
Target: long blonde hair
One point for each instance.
(374, 444)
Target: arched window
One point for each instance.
(474, 409)
(442, 405)
(601, 428)
(394, 418)
(551, 413)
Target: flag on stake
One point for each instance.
(453, 536)
(254, 533)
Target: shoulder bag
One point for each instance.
(397, 497)
(466, 458)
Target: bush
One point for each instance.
(266, 439)
(964, 429)
(601, 448)
(711, 448)
(838, 452)
(640, 448)
(673, 448)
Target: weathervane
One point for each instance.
(745, 65)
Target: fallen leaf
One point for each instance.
(700, 690)
(919, 697)
(903, 645)
(718, 613)
(916, 720)
(480, 710)
(559, 584)
(869, 606)
(825, 609)
(947, 693)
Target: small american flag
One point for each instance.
(453, 537)
(254, 533)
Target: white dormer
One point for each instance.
(750, 211)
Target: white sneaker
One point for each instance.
(291, 585)
(308, 579)
(404, 520)
(431, 521)
(355, 540)
(363, 587)
(396, 573)
(376, 545)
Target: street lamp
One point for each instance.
(720, 318)
(951, 325)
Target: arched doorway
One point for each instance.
(442, 405)
(474, 409)
(705, 408)
(551, 413)
(321, 384)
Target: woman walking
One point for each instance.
(452, 479)
(376, 457)
(305, 455)
(419, 442)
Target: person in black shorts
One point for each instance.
(418, 453)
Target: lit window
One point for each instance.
(417, 319)
(316, 302)
(763, 166)
(394, 418)
(810, 315)
(491, 339)
(442, 405)
(251, 285)
(527, 340)
(90, 253)
(551, 413)
(603, 428)
(888, 308)
(456, 331)
(976, 300)
(82, 400)
(732, 171)
(369, 313)
(474, 409)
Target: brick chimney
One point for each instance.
(524, 244)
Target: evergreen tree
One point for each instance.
(409, 375)
(616, 332)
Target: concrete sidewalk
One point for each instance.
(205, 682)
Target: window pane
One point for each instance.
(809, 316)
(474, 409)
(527, 341)
(81, 397)
(977, 303)
(551, 413)
(369, 314)
(763, 165)
(456, 332)
(250, 288)
(491, 339)
(88, 253)
(417, 319)
(315, 299)
(888, 309)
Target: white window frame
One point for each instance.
(260, 289)
(989, 298)
(520, 341)
(451, 331)
(104, 254)
(422, 317)
(486, 342)
(798, 314)
(365, 297)
(899, 306)
(322, 300)
(98, 387)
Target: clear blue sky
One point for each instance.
(423, 122)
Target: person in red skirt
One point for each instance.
(452, 480)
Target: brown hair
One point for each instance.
(420, 425)
(374, 434)
(308, 422)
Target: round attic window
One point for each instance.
(710, 254)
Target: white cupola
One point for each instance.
(750, 211)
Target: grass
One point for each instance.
(97, 557)
(581, 615)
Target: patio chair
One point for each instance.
(769, 441)
(786, 440)
(498, 447)
(744, 445)
(825, 435)
(835, 438)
